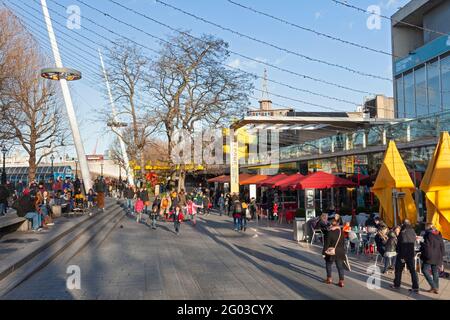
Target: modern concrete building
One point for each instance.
(380, 106)
(421, 58)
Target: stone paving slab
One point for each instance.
(209, 261)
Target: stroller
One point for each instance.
(80, 203)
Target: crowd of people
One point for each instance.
(398, 246)
(37, 200)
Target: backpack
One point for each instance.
(237, 207)
(165, 203)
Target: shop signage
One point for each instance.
(310, 210)
(253, 191)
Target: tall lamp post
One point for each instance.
(52, 158)
(101, 169)
(4, 151)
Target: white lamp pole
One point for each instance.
(68, 101)
(114, 113)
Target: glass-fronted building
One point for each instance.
(421, 58)
(43, 173)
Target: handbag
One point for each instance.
(332, 250)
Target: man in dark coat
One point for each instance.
(405, 255)
(432, 254)
(4, 194)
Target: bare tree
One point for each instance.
(127, 67)
(33, 106)
(190, 86)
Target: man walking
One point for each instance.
(4, 194)
(432, 254)
(100, 189)
(405, 255)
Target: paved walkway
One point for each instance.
(209, 261)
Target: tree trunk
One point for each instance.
(32, 166)
(142, 164)
(181, 178)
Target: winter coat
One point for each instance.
(391, 243)
(237, 209)
(182, 199)
(139, 205)
(331, 241)
(143, 194)
(406, 243)
(23, 205)
(4, 194)
(433, 248)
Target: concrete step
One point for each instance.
(20, 270)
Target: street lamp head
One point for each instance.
(4, 149)
(52, 157)
(61, 73)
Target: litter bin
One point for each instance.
(298, 229)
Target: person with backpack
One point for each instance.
(143, 194)
(237, 214)
(432, 254)
(333, 251)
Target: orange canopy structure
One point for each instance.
(226, 179)
(253, 179)
(218, 178)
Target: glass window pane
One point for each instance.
(421, 92)
(434, 92)
(410, 111)
(400, 98)
(445, 71)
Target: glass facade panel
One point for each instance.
(400, 98)
(433, 87)
(410, 110)
(421, 91)
(445, 76)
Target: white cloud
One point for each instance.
(236, 63)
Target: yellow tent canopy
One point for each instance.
(436, 185)
(394, 175)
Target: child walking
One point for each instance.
(138, 208)
(153, 216)
(177, 218)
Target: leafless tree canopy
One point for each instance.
(127, 70)
(190, 86)
(30, 105)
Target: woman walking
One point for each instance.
(138, 208)
(334, 251)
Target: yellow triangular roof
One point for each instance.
(393, 172)
(437, 176)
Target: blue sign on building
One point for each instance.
(423, 54)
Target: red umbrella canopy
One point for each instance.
(272, 180)
(322, 180)
(288, 181)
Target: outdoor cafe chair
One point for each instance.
(354, 238)
(316, 233)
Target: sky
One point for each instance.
(78, 47)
